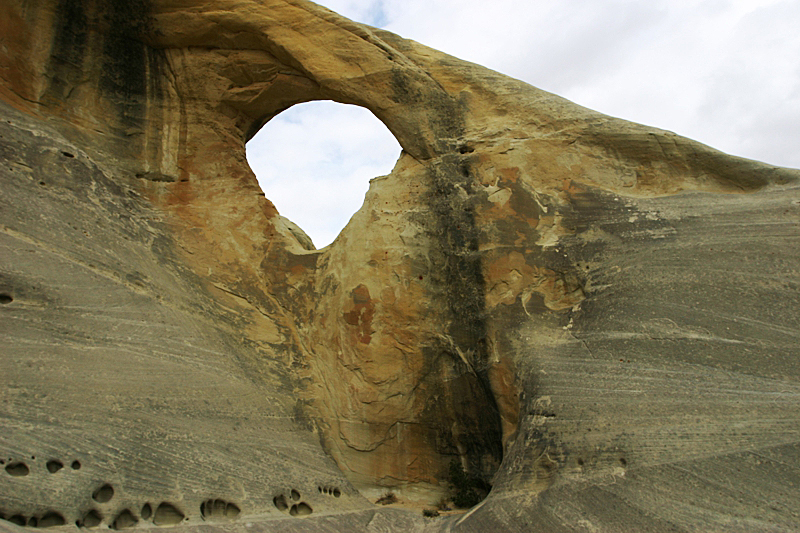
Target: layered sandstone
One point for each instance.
(596, 317)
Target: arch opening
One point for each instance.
(314, 162)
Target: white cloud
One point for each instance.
(724, 72)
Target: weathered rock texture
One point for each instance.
(597, 317)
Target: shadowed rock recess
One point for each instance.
(596, 319)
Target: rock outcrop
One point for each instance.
(596, 318)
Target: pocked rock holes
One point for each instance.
(218, 510)
(165, 514)
(297, 508)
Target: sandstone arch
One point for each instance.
(169, 326)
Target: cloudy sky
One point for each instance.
(723, 72)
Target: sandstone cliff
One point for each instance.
(595, 317)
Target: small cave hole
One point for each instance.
(300, 509)
(33, 522)
(623, 461)
(124, 520)
(336, 493)
(67, 154)
(52, 519)
(327, 148)
(91, 519)
(17, 469)
(6, 298)
(167, 515)
(103, 494)
(295, 495)
(580, 461)
(76, 465)
(146, 511)
(280, 502)
(18, 519)
(54, 465)
(214, 509)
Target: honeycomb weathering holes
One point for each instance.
(297, 509)
(300, 509)
(219, 509)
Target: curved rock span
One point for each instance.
(593, 321)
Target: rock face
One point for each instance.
(595, 317)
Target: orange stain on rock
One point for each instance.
(360, 314)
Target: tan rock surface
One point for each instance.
(595, 316)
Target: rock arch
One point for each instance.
(485, 304)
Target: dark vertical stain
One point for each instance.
(125, 58)
(113, 29)
(65, 66)
(471, 407)
(461, 411)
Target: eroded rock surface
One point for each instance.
(596, 317)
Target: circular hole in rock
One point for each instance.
(623, 461)
(167, 515)
(146, 511)
(91, 519)
(124, 520)
(76, 465)
(17, 469)
(295, 495)
(329, 148)
(33, 522)
(337, 493)
(280, 502)
(300, 509)
(232, 510)
(52, 519)
(18, 519)
(214, 509)
(54, 466)
(103, 494)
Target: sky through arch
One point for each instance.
(314, 162)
